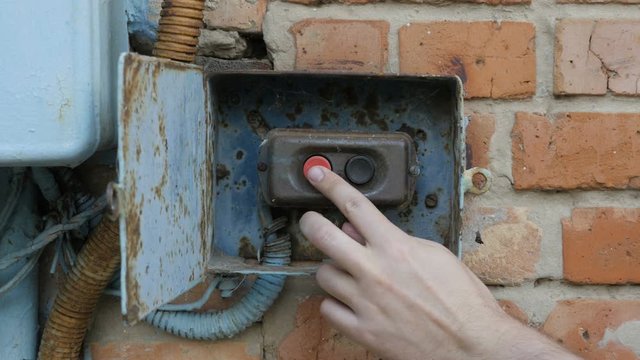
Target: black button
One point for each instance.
(360, 170)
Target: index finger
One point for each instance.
(360, 212)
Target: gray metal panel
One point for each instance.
(57, 87)
(165, 158)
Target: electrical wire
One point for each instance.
(50, 234)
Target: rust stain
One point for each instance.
(350, 95)
(257, 123)
(222, 172)
(162, 132)
(246, 249)
(369, 115)
(292, 116)
(206, 179)
(327, 92)
(133, 246)
(327, 116)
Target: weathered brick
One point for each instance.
(313, 338)
(500, 245)
(493, 60)
(576, 151)
(602, 246)
(110, 338)
(593, 56)
(514, 311)
(349, 45)
(479, 134)
(597, 329)
(598, 1)
(240, 15)
(171, 350)
(435, 2)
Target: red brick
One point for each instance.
(500, 245)
(598, 1)
(479, 134)
(239, 15)
(597, 329)
(313, 338)
(514, 311)
(435, 2)
(602, 246)
(172, 350)
(493, 60)
(593, 56)
(343, 45)
(576, 151)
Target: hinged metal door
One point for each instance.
(165, 197)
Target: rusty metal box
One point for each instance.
(188, 154)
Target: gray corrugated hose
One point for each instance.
(229, 322)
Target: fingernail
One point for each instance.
(315, 174)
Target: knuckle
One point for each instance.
(352, 206)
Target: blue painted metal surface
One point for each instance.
(247, 106)
(143, 16)
(57, 87)
(18, 307)
(165, 169)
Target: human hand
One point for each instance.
(403, 297)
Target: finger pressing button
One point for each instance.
(316, 160)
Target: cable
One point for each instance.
(20, 275)
(229, 322)
(15, 190)
(52, 233)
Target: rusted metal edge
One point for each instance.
(238, 265)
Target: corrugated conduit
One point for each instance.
(74, 306)
(229, 322)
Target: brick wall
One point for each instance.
(553, 94)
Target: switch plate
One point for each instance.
(285, 151)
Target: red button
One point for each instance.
(315, 160)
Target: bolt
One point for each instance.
(112, 201)
(431, 201)
(262, 166)
(479, 180)
(414, 170)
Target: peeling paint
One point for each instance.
(165, 181)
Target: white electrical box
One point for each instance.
(58, 71)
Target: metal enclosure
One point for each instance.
(189, 145)
(58, 72)
(246, 106)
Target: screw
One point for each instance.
(414, 170)
(262, 166)
(479, 180)
(431, 201)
